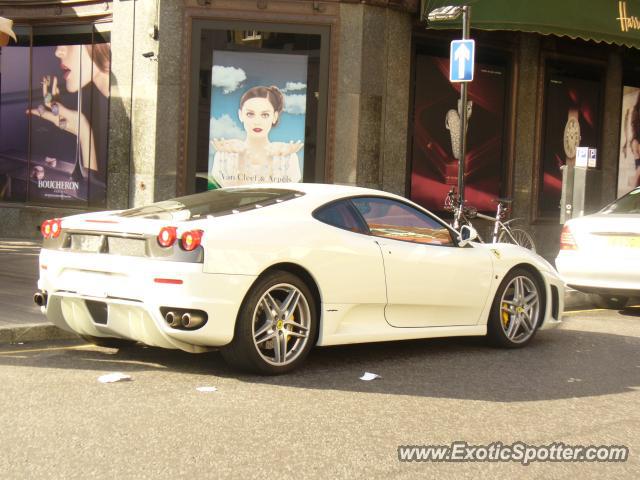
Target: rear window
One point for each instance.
(630, 203)
(212, 203)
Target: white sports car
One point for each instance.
(266, 272)
(600, 253)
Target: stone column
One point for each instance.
(122, 41)
(373, 97)
(145, 102)
(610, 154)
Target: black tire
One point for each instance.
(244, 353)
(108, 342)
(520, 237)
(609, 302)
(503, 314)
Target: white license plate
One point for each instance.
(133, 247)
(86, 243)
(624, 242)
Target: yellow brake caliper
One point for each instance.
(289, 327)
(505, 315)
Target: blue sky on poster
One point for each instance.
(234, 73)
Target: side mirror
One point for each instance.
(467, 234)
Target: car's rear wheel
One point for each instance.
(108, 342)
(517, 311)
(276, 326)
(610, 302)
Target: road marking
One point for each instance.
(583, 311)
(46, 349)
(597, 309)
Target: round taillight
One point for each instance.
(45, 228)
(191, 239)
(56, 227)
(167, 236)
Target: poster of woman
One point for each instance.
(69, 115)
(629, 160)
(257, 118)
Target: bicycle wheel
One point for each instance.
(520, 237)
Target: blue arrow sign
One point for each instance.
(461, 60)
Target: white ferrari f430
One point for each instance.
(264, 273)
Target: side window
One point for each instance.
(392, 219)
(341, 214)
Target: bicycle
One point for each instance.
(502, 230)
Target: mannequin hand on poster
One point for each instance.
(66, 119)
(236, 163)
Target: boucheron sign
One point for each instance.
(627, 22)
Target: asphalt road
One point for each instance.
(576, 385)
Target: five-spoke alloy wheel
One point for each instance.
(516, 311)
(276, 325)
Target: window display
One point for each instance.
(261, 102)
(63, 118)
(257, 131)
(571, 120)
(436, 138)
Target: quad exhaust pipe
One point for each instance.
(172, 319)
(192, 320)
(40, 298)
(186, 320)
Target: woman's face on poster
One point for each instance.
(258, 116)
(76, 66)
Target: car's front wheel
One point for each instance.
(517, 310)
(276, 325)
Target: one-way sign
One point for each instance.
(461, 59)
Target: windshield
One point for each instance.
(630, 203)
(212, 203)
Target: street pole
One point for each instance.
(466, 16)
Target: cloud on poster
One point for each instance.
(293, 86)
(295, 104)
(225, 127)
(227, 78)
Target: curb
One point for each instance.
(34, 332)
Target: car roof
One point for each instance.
(322, 192)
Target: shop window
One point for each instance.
(436, 130)
(54, 111)
(260, 106)
(571, 119)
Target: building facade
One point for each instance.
(118, 103)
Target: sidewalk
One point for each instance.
(22, 321)
(20, 318)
